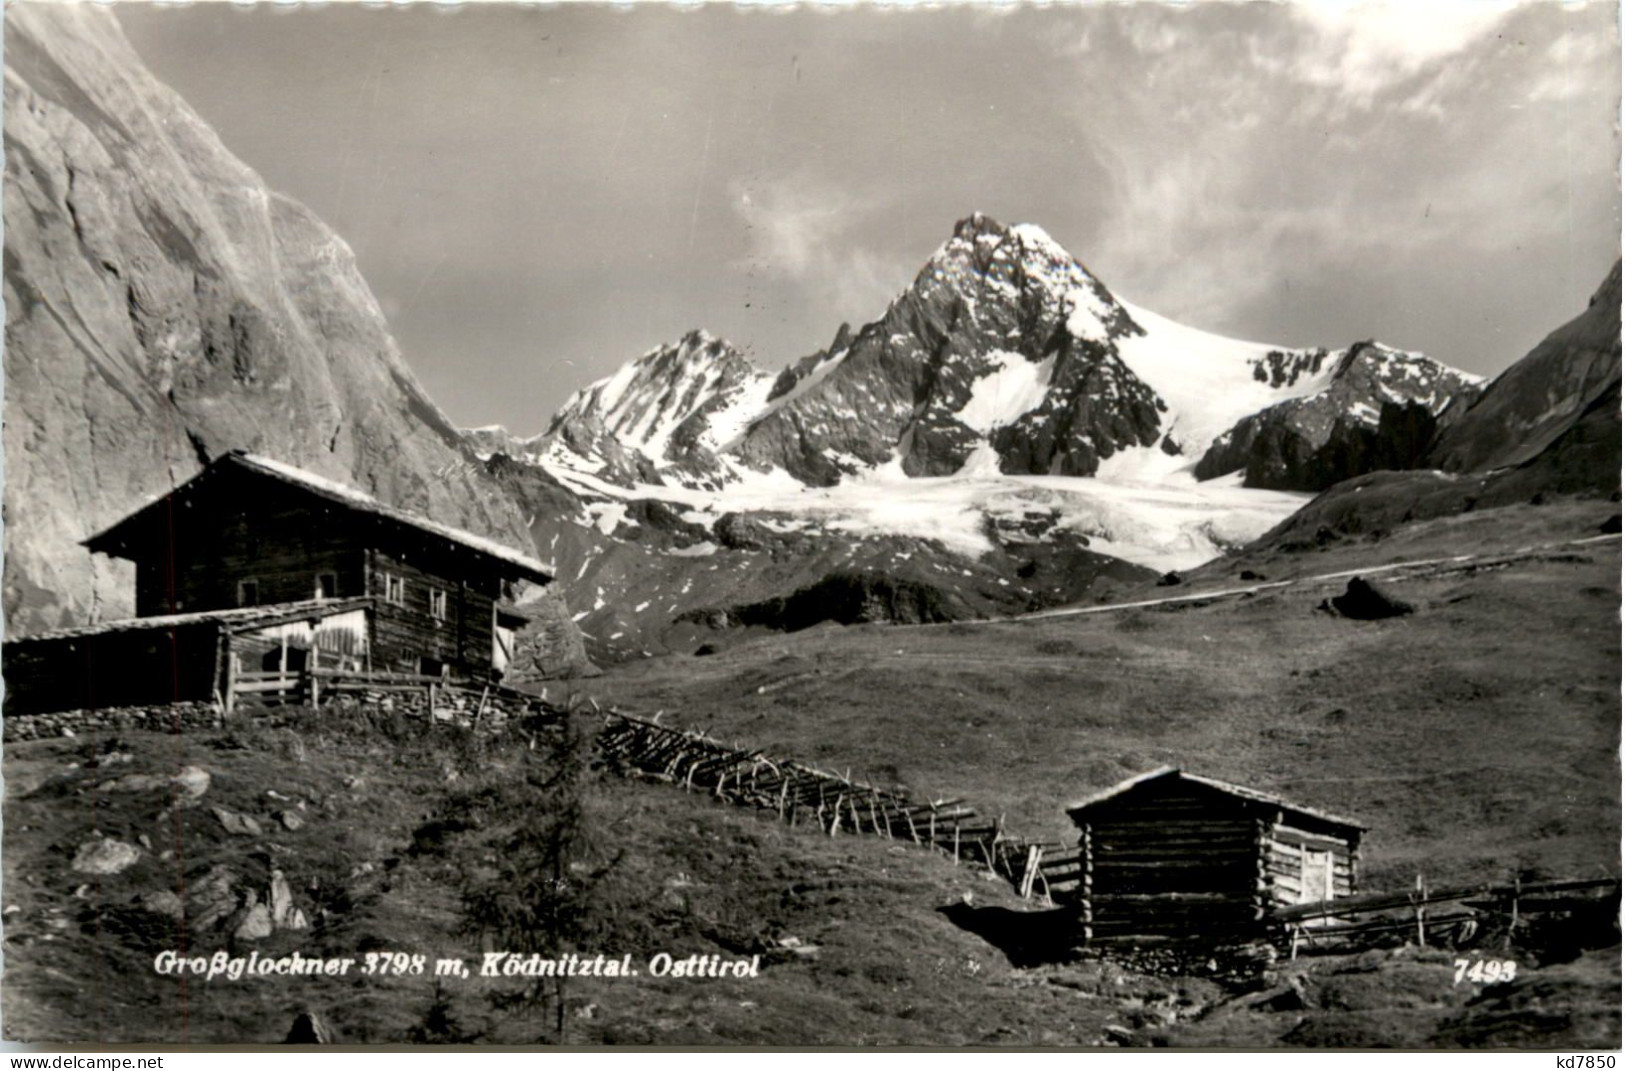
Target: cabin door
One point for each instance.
(501, 649)
(1315, 884)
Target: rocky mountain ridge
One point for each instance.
(1380, 409)
(944, 447)
(1005, 355)
(1537, 400)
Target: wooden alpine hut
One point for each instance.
(1171, 854)
(255, 568)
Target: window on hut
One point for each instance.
(248, 593)
(437, 604)
(327, 586)
(395, 589)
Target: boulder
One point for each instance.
(133, 783)
(308, 1029)
(1288, 996)
(162, 902)
(239, 824)
(283, 913)
(1364, 601)
(254, 924)
(192, 782)
(105, 856)
(212, 898)
(738, 532)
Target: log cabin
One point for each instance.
(254, 565)
(1171, 854)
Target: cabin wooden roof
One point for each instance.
(1242, 792)
(236, 619)
(112, 539)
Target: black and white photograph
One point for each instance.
(719, 526)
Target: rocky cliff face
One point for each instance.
(1003, 338)
(1538, 400)
(1380, 410)
(163, 306)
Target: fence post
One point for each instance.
(1512, 924)
(229, 700)
(1421, 914)
(315, 664)
(1034, 855)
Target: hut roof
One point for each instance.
(233, 620)
(522, 565)
(1242, 792)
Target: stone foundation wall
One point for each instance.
(1233, 963)
(172, 717)
(194, 717)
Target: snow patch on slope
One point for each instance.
(1207, 380)
(1013, 387)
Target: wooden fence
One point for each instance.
(835, 803)
(1423, 913)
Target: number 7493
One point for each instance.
(1485, 971)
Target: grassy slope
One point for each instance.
(1477, 735)
(697, 877)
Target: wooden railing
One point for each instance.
(312, 687)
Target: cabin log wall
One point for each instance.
(279, 540)
(1180, 858)
(402, 634)
(1171, 862)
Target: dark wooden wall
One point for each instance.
(265, 533)
(113, 669)
(403, 634)
(1182, 859)
(1174, 859)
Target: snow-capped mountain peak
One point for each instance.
(695, 392)
(1005, 367)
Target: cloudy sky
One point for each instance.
(538, 194)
